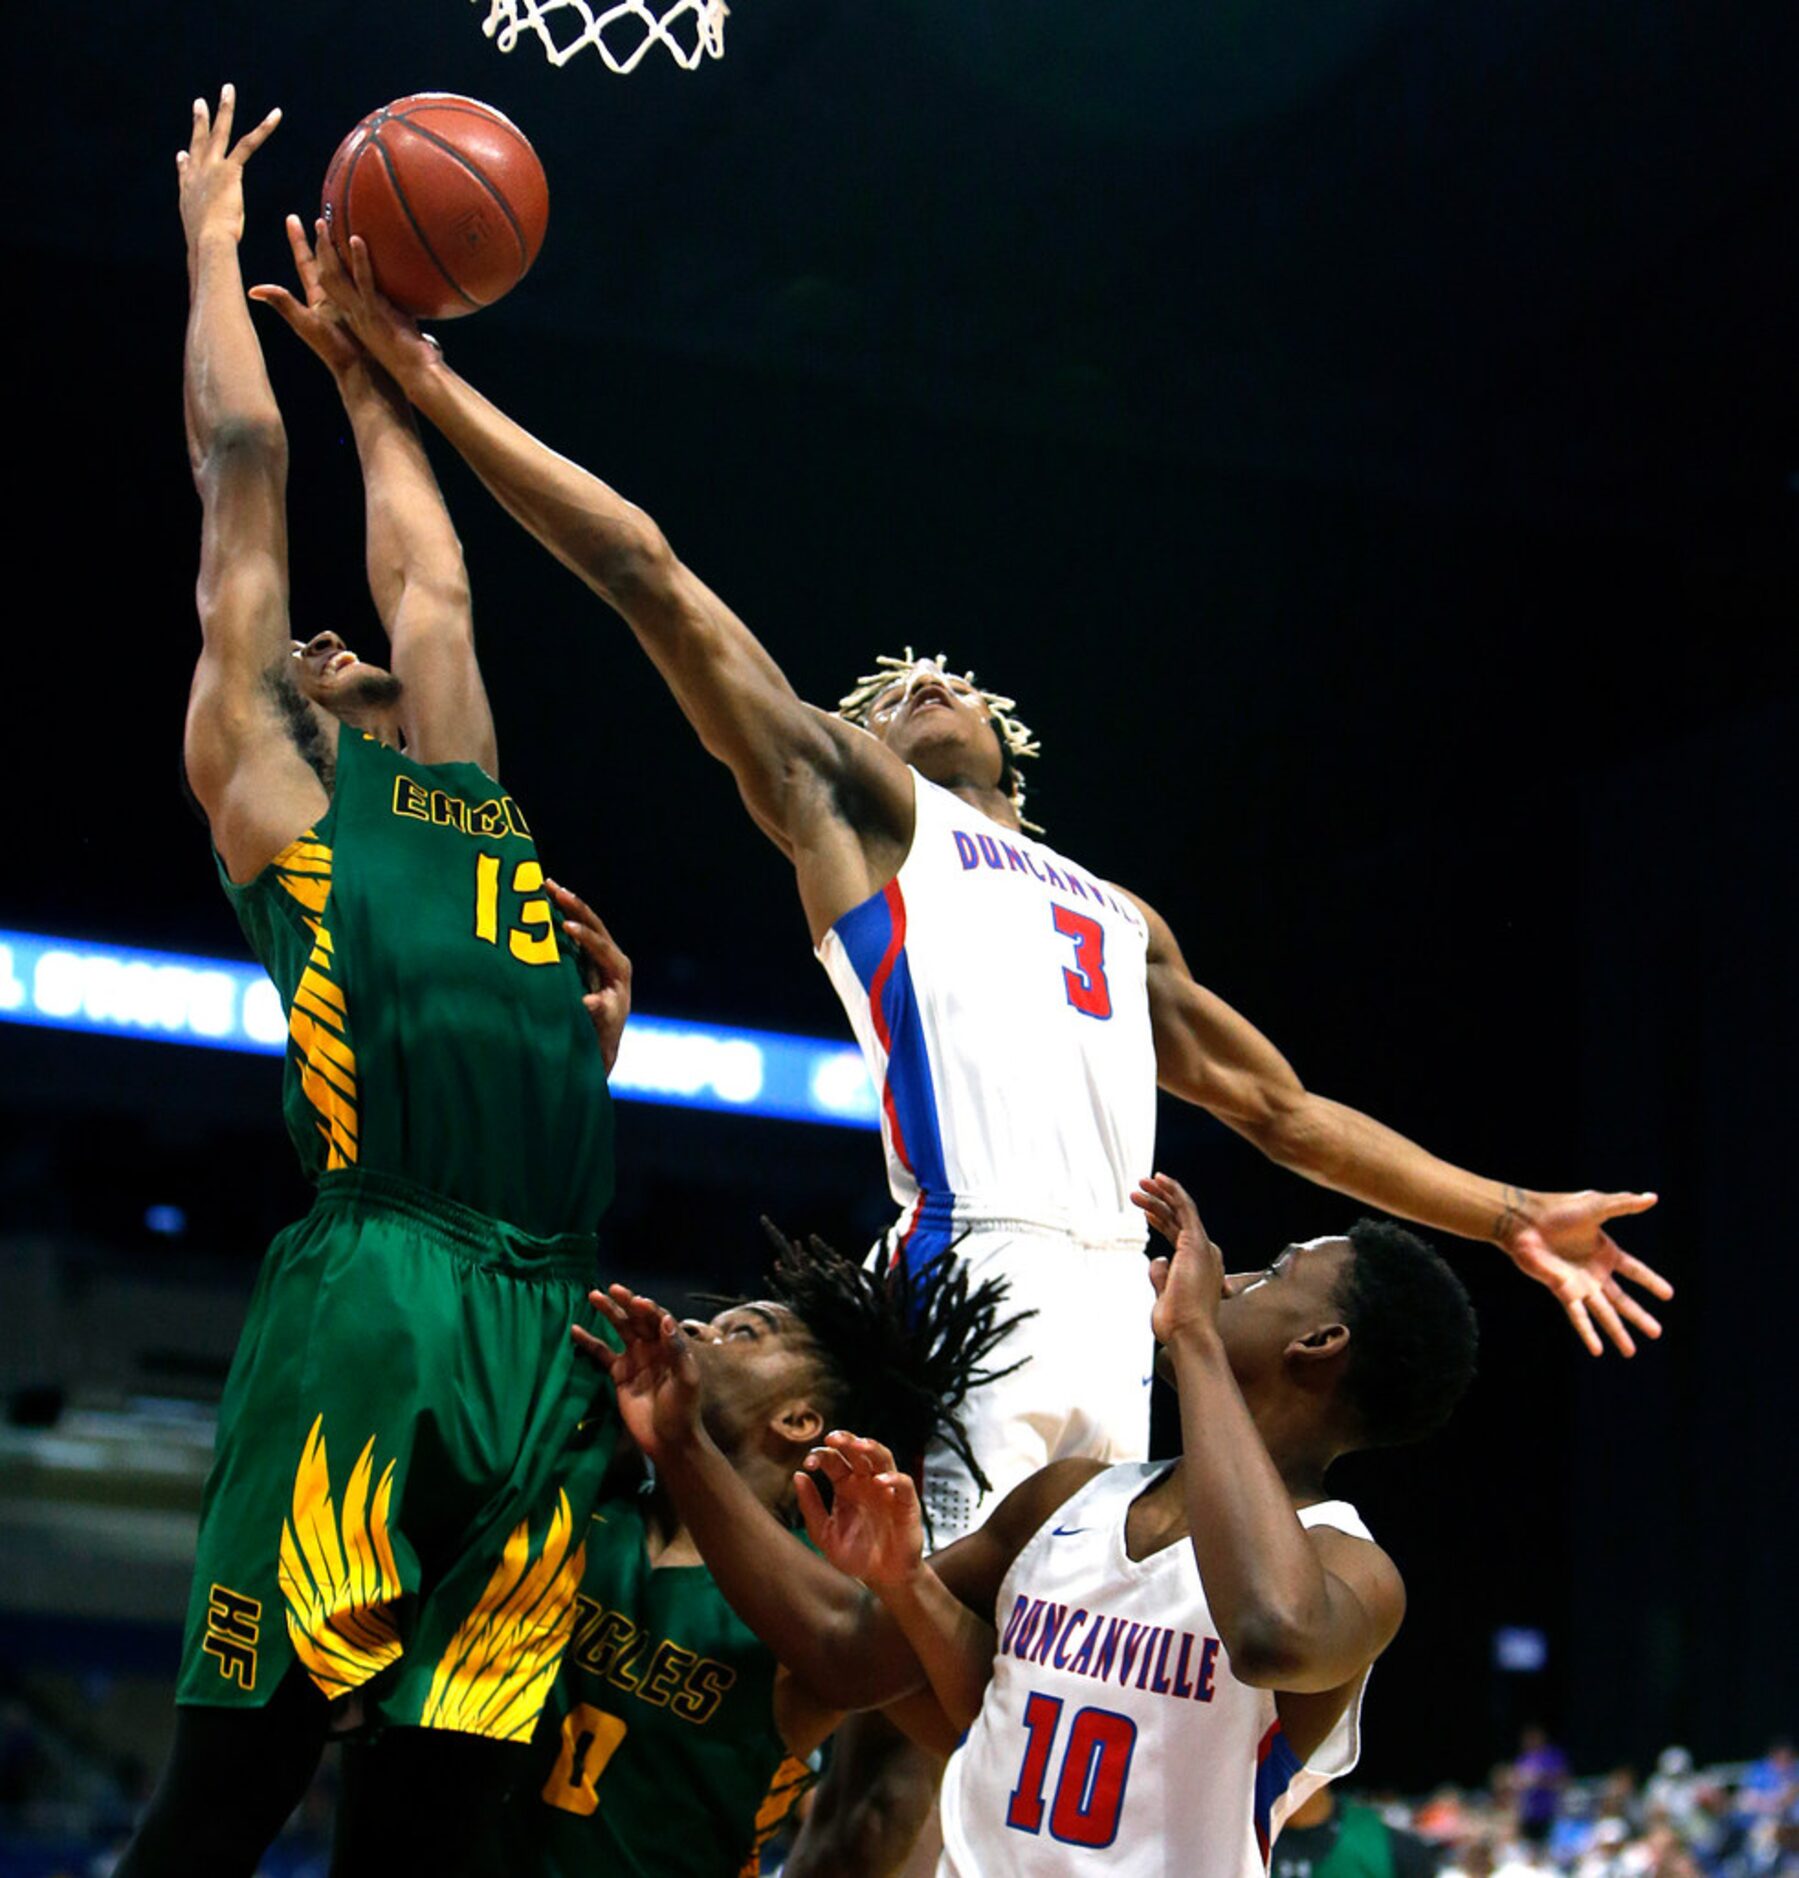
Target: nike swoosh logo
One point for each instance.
(1067, 1532)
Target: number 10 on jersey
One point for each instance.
(1090, 1783)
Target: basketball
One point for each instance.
(449, 196)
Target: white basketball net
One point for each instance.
(621, 33)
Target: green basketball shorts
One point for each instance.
(409, 1449)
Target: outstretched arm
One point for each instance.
(1209, 1054)
(817, 787)
(1297, 1610)
(415, 566)
(256, 789)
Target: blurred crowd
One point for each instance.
(1535, 1819)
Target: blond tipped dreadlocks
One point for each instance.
(1015, 739)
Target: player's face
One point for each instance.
(753, 1359)
(1263, 1312)
(330, 675)
(927, 714)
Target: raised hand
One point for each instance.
(1560, 1240)
(656, 1376)
(873, 1530)
(211, 171)
(605, 970)
(390, 336)
(1190, 1284)
(314, 317)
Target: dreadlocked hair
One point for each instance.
(1015, 737)
(900, 1350)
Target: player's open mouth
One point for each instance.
(338, 661)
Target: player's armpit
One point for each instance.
(244, 768)
(975, 1567)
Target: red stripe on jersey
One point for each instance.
(877, 986)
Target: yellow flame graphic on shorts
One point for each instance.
(339, 1578)
(496, 1673)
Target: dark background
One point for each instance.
(1363, 440)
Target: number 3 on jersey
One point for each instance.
(1085, 980)
(533, 940)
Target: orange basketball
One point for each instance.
(448, 195)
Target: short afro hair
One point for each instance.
(1412, 1335)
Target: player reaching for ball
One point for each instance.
(1154, 1663)
(1017, 1009)
(407, 1450)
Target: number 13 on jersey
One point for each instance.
(533, 940)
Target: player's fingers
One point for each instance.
(567, 898)
(1159, 1216)
(853, 1452)
(1158, 1275)
(1618, 1205)
(605, 1305)
(830, 1463)
(900, 1493)
(332, 277)
(361, 269)
(592, 1348)
(280, 299)
(253, 140)
(1583, 1327)
(1645, 1275)
(812, 1510)
(1613, 1325)
(880, 1459)
(1628, 1308)
(221, 120)
(305, 262)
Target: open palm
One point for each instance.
(1566, 1247)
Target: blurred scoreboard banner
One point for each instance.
(172, 997)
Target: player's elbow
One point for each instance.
(245, 443)
(1270, 1649)
(629, 559)
(1284, 1123)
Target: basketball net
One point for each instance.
(621, 33)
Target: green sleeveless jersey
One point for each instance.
(435, 1025)
(658, 1753)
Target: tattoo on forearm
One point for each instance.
(1511, 1215)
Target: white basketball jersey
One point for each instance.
(1001, 999)
(1113, 1738)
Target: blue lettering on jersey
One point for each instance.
(1087, 1643)
(1007, 857)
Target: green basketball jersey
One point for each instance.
(657, 1754)
(435, 1026)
